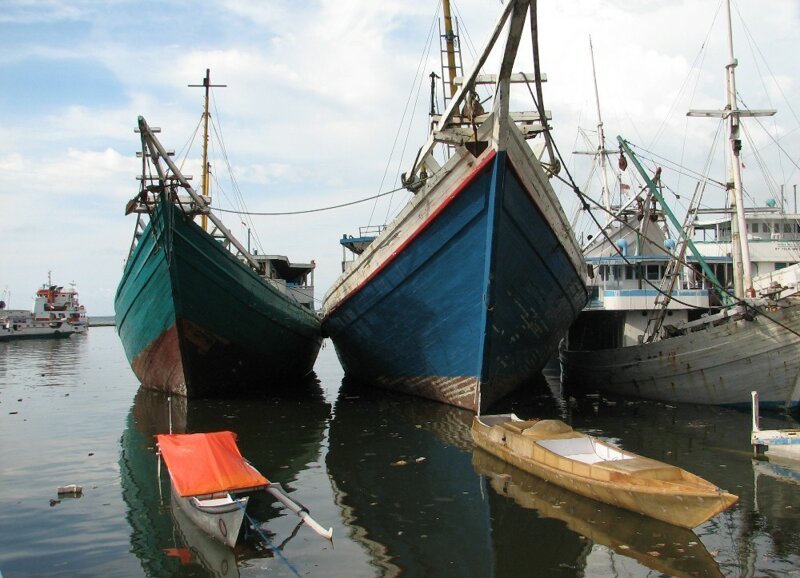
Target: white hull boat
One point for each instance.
(210, 479)
(783, 444)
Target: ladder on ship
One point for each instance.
(449, 54)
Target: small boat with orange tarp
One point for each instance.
(209, 479)
(590, 467)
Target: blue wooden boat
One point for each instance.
(198, 315)
(466, 294)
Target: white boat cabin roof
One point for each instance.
(762, 224)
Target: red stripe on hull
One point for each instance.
(442, 206)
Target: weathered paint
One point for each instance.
(719, 365)
(195, 321)
(470, 303)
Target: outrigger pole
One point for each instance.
(300, 510)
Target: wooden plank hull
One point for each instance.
(466, 294)
(718, 365)
(642, 485)
(195, 321)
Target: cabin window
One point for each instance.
(653, 272)
(617, 272)
(764, 227)
(604, 272)
(787, 227)
(755, 227)
(781, 266)
(630, 272)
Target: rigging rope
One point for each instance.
(583, 198)
(405, 110)
(307, 211)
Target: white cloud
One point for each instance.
(315, 96)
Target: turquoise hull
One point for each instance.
(195, 321)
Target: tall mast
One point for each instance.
(734, 147)
(601, 145)
(207, 85)
(450, 43)
(743, 278)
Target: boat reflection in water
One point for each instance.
(761, 531)
(776, 485)
(195, 546)
(268, 433)
(611, 532)
(411, 498)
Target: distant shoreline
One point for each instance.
(102, 321)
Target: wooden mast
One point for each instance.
(158, 154)
(205, 189)
(743, 280)
(601, 145)
(743, 271)
(450, 43)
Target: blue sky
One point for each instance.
(315, 97)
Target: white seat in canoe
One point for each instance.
(583, 449)
(214, 502)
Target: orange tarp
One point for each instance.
(205, 463)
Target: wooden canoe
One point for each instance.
(590, 467)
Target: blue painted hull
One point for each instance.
(195, 321)
(471, 307)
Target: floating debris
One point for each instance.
(71, 490)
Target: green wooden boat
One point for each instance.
(198, 315)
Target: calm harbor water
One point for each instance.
(396, 477)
